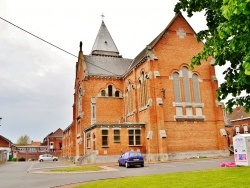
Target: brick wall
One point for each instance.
(33, 155)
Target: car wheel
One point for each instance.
(126, 165)
(119, 163)
(142, 165)
(54, 160)
(41, 160)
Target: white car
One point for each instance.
(47, 157)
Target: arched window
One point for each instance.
(117, 93)
(93, 111)
(187, 99)
(103, 93)
(197, 97)
(177, 93)
(186, 84)
(130, 99)
(140, 93)
(110, 91)
(143, 91)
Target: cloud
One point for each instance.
(36, 83)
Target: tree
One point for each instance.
(23, 140)
(227, 40)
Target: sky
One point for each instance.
(37, 79)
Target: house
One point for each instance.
(239, 120)
(153, 103)
(238, 123)
(5, 149)
(53, 141)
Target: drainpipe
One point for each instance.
(84, 143)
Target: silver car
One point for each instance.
(47, 157)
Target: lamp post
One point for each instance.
(0, 121)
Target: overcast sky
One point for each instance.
(37, 79)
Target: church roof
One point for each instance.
(104, 44)
(106, 65)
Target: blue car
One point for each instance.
(131, 158)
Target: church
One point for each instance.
(153, 103)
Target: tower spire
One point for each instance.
(80, 45)
(104, 44)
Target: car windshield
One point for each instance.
(133, 154)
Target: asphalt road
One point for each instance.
(32, 175)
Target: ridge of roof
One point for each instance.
(104, 44)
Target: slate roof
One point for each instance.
(106, 66)
(104, 44)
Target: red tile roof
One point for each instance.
(238, 114)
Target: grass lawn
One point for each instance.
(224, 177)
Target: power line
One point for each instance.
(53, 45)
(38, 37)
(62, 49)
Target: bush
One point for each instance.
(21, 159)
(14, 159)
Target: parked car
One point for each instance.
(47, 157)
(131, 158)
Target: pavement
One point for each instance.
(31, 174)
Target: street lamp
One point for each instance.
(0, 121)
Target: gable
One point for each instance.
(178, 26)
(175, 26)
(4, 142)
(180, 23)
(57, 133)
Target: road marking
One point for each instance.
(30, 168)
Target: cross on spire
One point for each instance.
(102, 16)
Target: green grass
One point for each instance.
(76, 169)
(223, 177)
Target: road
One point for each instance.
(31, 174)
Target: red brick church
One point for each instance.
(153, 103)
